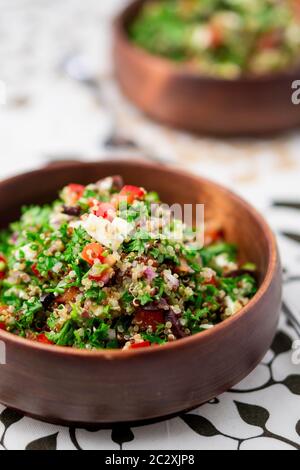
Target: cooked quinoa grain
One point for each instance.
(90, 271)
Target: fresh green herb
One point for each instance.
(64, 280)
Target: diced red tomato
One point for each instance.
(2, 268)
(74, 193)
(35, 270)
(216, 36)
(270, 40)
(144, 344)
(131, 194)
(212, 282)
(78, 189)
(93, 252)
(146, 318)
(42, 338)
(68, 296)
(105, 210)
(95, 278)
(2, 324)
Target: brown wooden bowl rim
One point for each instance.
(183, 69)
(189, 341)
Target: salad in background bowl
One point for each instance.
(222, 38)
(220, 67)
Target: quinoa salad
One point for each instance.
(89, 271)
(222, 38)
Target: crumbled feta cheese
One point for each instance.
(171, 280)
(176, 309)
(29, 253)
(233, 307)
(98, 228)
(76, 223)
(202, 37)
(207, 327)
(109, 234)
(105, 184)
(57, 267)
(208, 274)
(56, 219)
(222, 261)
(121, 227)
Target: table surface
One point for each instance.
(47, 115)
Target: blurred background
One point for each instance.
(62, 102)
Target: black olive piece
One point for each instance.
(177, 329)
(118, 182)
(74, 211)
(47, 300)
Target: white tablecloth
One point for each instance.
(47, 116)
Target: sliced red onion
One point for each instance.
(161, 305)
(177, 328)
(85, 314)
(118, 182)
(150, 273)
(14, 237)
(107, 276)
(171, 280)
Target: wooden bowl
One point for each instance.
(179, 96)
(65, 385)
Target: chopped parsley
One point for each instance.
(90, 272)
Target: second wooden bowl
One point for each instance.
(181, 97)
(67, 385)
